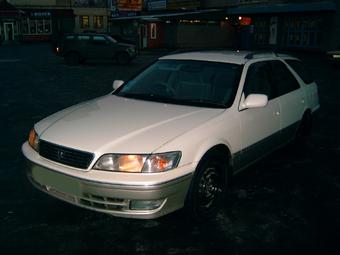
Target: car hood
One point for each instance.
(121, 125)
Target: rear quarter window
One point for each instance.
(301, 70)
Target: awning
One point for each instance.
(282, 8)
(169, 15)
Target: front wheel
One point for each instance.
(123, 58)
(72, 58)
(208, 187)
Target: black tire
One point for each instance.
(208, 188)
(72, 58)
(123, 58)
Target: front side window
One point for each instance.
(258, 80)
(83, 37)
(84, 21)
(186, 82)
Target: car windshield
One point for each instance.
(185, 82)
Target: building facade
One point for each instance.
(171, 24)
(44, 20)
(91, 15)
(9, 22)
(277, 24)
(242, 24)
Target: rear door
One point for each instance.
(81, 45)
(100, 47)
(291, 97)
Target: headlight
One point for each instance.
(138, 163)
(131, 50)
(33, 140)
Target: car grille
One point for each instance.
(106, 203)
(66, 156)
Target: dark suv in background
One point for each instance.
(78, 47)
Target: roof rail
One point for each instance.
(251, 55)
(205, 49)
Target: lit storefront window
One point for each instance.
(84, 21)
(302, 31)
(98, 21)
(38, 23)
(261, 35)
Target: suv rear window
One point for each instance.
(300, 70)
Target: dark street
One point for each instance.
(288, 203)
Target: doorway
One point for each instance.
(143, 41)
(9, 31)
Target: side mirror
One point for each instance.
(254, 101)
(117, 83)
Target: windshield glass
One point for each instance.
(196, 83)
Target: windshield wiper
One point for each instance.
(147, 96)
(204, 103)
(164, 99)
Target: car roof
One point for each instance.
(224, 56)
(89, 33)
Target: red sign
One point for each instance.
(245, 21)
(129, 5)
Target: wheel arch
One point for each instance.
(306, 119)
(221, 148)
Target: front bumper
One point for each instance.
(114, 199)
(334, 57)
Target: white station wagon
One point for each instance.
(172, 136)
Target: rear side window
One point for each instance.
(69, 37)
(300, 70)
(258, 80)
(99, 38)
(283, 80)
(83, 37)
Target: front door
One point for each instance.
(9, 31)
(260, 127)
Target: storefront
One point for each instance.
(285, 26)
(45, 24)
(174, 28)
(9, 23)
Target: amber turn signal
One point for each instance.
(33, 139)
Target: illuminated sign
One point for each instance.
(129, 5)
(244, 21)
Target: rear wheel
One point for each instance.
(123, 58)
(208, 187)
(72, 58)
(304, 130)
